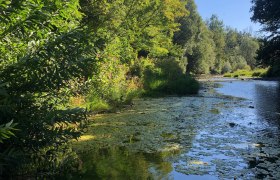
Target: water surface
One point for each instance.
(230, 134)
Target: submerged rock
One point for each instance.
(232, 124)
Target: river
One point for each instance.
(229, 130)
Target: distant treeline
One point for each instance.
(210, 47)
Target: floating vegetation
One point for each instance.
(168, 135)
(180, 135)
(215, 111)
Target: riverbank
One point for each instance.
(219, 78)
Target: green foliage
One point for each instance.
(59, 58)
(268, 55)
(168, 77)
(52, 161)
(183, 85)
(248, 49)
(267, 13)
(194, 37)
(216, 26)
(210, 47)
(226, 68)
(248, 73)
(135, 36)
(6, 131)
(96, 103)
(238, 62)
(44, 61)
(274, 70)
(228, 75)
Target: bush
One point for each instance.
(168, 78)
(248, 73)
(182, 86)
(273, 71)
(39, 73)
(256, 74)
(227, 75)
(226, 68)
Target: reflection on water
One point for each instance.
(120, 163)
(205, 137)
(267, 102)
(249, 89)
(140, 142)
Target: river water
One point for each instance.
(230, 130)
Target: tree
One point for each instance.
(195, 39)
(269, 55)
(211, 47)
(52, 51)
(216, 26)
(248, 49)
(44, 61)
(268, 14)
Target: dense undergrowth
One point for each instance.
(146, 78)
(248, 73)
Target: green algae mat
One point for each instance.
(208, 136)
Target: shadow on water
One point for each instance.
(267, 102)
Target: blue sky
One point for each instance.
(234, 13)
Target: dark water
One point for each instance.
(211, 136)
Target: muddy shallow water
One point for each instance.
(230, 130)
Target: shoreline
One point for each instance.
(241, 78)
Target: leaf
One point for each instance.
(9, 124)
